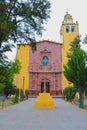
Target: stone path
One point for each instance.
(24, 117)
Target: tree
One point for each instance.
(22, 20)
(75, 70)
(9, 90)
(2, 89)
(4, 62)
(7, 71)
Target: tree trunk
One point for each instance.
(81, 98)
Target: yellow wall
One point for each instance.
(67, 38)
(22, 79)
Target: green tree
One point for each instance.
(4, 63)
(2, 89)
(7, 70)
(22, 20)
(11, 69)
(75, 70)
(9, 90)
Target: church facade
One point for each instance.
(43, 69)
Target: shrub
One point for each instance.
(26, 94)
(69, 93)
(15, 99)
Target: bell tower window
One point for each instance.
(67, 28)
(73, 29)
(70, 29)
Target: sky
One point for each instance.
(76, 8)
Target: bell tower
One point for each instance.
(69, 30)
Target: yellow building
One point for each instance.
(69, 30)
(22, 79)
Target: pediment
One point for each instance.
(45, 51)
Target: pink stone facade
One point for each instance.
(47, 76)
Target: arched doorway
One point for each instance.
(45, 86)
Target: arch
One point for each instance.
(45, 85)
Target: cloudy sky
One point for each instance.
(78, 10)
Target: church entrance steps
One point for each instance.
(44, 100)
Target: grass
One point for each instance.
(8, 102)
(5, 104)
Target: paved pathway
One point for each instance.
(24, 117)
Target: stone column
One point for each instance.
(44, 86)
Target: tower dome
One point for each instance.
(68, 18)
